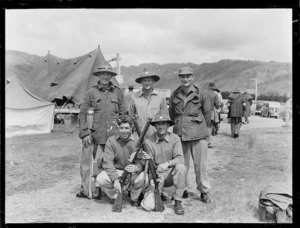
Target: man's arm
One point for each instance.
(122, 104)
(171, 107)
(164, 106)
(217, 101)
(177, 152)
(84, 106)
(206, 108)
(108, 161)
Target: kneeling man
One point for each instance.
(166, 151)
(119, 150)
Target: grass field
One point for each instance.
(42, 177)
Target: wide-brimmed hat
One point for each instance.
(236, 90)
(185, 70)
(147, 74)
(161, 117)
(105, 68)
(212, 86)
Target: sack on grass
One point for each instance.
(275, 203)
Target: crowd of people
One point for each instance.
(110, 139)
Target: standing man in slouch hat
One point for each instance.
(108, 103)
(236, 105)
(147, 102)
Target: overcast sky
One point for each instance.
(154, 35)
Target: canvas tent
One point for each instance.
(26, 113)
(56, 78)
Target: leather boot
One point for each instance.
(178, 208)
(205, 197)
(97, 193)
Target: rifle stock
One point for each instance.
(159, 206)
(117, 207)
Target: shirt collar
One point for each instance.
(191, 89)
(130, 138)
(166, 138)
(141, 93)
(100, 86)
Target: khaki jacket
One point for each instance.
(191, 119)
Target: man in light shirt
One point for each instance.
(147, 102)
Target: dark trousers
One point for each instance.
(236, 123)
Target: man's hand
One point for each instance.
(145, 155)
(117, 185)
(132, 168)
(86, 140)
(162, 167)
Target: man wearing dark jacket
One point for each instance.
(236, 105)
(190, 109)
(108, 103)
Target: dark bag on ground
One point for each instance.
(275, 204)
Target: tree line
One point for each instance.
(271, 96)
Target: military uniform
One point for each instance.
(108, 103)
(192, 113)
(237, 106)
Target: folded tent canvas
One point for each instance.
(25, 113)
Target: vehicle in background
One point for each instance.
(271, 109)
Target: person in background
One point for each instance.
(108, 103)
(236, 105)
(166, 151)
(147, 102)
(128, 98)
(248, 99)
(119, 151)
(216, 125)
(190, 109)
(215, 104)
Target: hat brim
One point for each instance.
(214, 88)
(171, 122)
(155, 78)
(96, 73)
(185, 73)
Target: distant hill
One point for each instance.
(273, 77)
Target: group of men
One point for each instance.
(191, 112)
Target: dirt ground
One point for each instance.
(42, 178)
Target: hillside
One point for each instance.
(273, 77)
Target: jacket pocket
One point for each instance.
(177, 105)
(197, 119)
(115, 104)
(96, 104)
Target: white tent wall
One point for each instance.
(26, 113)
(26, 122)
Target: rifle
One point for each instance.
(159, 206)
(117, 207)
(90, 126)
